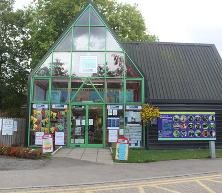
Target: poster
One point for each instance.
(114, 112)
(113, 135)
(110, 112)
(78, 122)
(7, 127)
(122, 149)
(59, 138)
(113, 123)
(187, 126)
(88, 64)
(79, 141)
(15, 125)
(38, 138)
(47, 144)
(0, 125)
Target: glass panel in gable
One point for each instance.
(44, 69)
(81, 38)
(97, 38)
(61, 64)
(115, 64)
(94, 18)
(88, 64)
(111, 43)
(65, 44)
(133, 91)
(83, 19)
(132, 71)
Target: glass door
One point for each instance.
(87, 126)
(78, 124)
(95, 124)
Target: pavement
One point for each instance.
(62, 171)
(96, 155)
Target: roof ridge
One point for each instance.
(170, 43)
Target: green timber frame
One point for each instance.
(83, 75)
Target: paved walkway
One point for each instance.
(97, 155)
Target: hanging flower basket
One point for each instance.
(149, 112)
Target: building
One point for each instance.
(89, 88)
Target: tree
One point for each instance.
(13, 56)
(49, 18)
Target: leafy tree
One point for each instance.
(13, 56)
(51, 17)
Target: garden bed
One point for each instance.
(20, 152)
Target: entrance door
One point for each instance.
(87, 126)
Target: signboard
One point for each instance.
(113, 135)
(38, 138)
(59, 106)
(40, 106)
(7, 127)
(116, 107)
(133, 107)
(47, 143)
(122, 149)
(88, 64)
(187, 126)
(59, 138)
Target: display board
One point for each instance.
(187, 126)
(122, 149)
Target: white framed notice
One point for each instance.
(0, 125)
(38, 138)
(113, 135)
(88, 64)
(59, 138)
(7, 127)
(15, 125)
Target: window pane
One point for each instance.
(81, 38)
(114, 91)
(94, 19)
(61, 64)
(133, 91)
(44, 69)
(88, 64)
(65, 44)
(111, 43)
(41, 88)
(83, 19)
(131, 69)
(59, 93)
(115, 64)
(97, 38)
(88, 93)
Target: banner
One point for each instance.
(187, 126)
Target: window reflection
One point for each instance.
(81, 36)
(97, 38)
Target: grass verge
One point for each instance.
(144, 155)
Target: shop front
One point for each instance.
(86, 91)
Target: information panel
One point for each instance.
(187, 126)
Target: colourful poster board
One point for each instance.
(187, 126)
(47, 144)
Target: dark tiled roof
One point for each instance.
(179, 72)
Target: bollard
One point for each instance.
(212, 149)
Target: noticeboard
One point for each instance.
(187, 126)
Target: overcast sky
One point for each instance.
(191, 21)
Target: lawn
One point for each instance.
(144, 155)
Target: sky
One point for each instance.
(187, 21)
